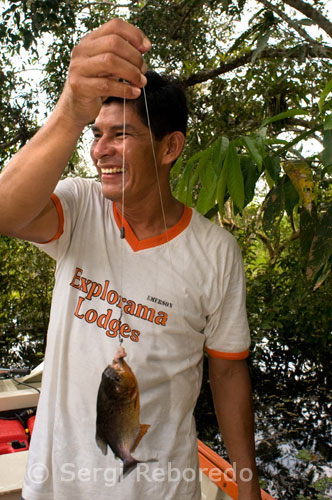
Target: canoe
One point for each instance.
(217, 476)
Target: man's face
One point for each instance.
(109, 146)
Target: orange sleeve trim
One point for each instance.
(227, 355)
(59, 209)
(155, 241)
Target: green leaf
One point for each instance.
(328, 122)
(206, 200)
(324, 94)
(300, 174)
(327, 151)
(205, 169)
(272, 166)
(183, 190)
(218, 153)
(322, 274)
(304, 455)
(250, 175)
(321, 247)
(176, 169)
(307, 230)
(235, 182)
(261, 44)
(207, 195)
(253, 149)
(291, 197)
(273, 207)
(221, 187)
(305, 21)
(286, 114)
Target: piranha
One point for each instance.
(118, 408)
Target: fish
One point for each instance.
(118, 408)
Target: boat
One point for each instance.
(19, 394)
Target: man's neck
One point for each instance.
(146, 219)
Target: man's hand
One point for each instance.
(111, 53)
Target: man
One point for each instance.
(174, 279)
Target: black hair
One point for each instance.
(166, 103)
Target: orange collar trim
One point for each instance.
(155, 241)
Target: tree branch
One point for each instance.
(13, 141)
(20, 136)
(294, 236)
(267, 242)
(311, 13)
(270, 53)
(289, 21)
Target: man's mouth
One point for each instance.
(114, 170)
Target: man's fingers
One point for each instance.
(104, 87)
(127, 31)
(110, 44)
(104, 65)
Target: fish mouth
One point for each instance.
(119, 356)
(117, 365)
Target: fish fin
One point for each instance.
(101, 444)
(142, 430)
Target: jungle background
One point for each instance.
(258, 161)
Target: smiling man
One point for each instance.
(170, 287)
(116, 148)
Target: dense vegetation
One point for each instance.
(258, 160)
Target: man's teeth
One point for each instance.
(114, 170)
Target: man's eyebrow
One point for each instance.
(114, 128)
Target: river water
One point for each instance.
(293, 426)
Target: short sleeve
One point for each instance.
(67, 198)
(227, 331)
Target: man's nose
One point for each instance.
(103, 147)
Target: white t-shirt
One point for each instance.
(181, 293)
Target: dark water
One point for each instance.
(293, 426)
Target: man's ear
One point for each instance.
(173, 146)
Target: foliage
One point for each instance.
(290, 369)
(232, 169)
(25, 290)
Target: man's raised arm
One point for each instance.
(112, 52)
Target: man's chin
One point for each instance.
(111, 194)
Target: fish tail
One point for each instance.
(129, 464)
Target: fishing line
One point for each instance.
(177, 313)
(157, 176)
(155, 163)
(122, 230)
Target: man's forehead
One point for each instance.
(115, 114)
